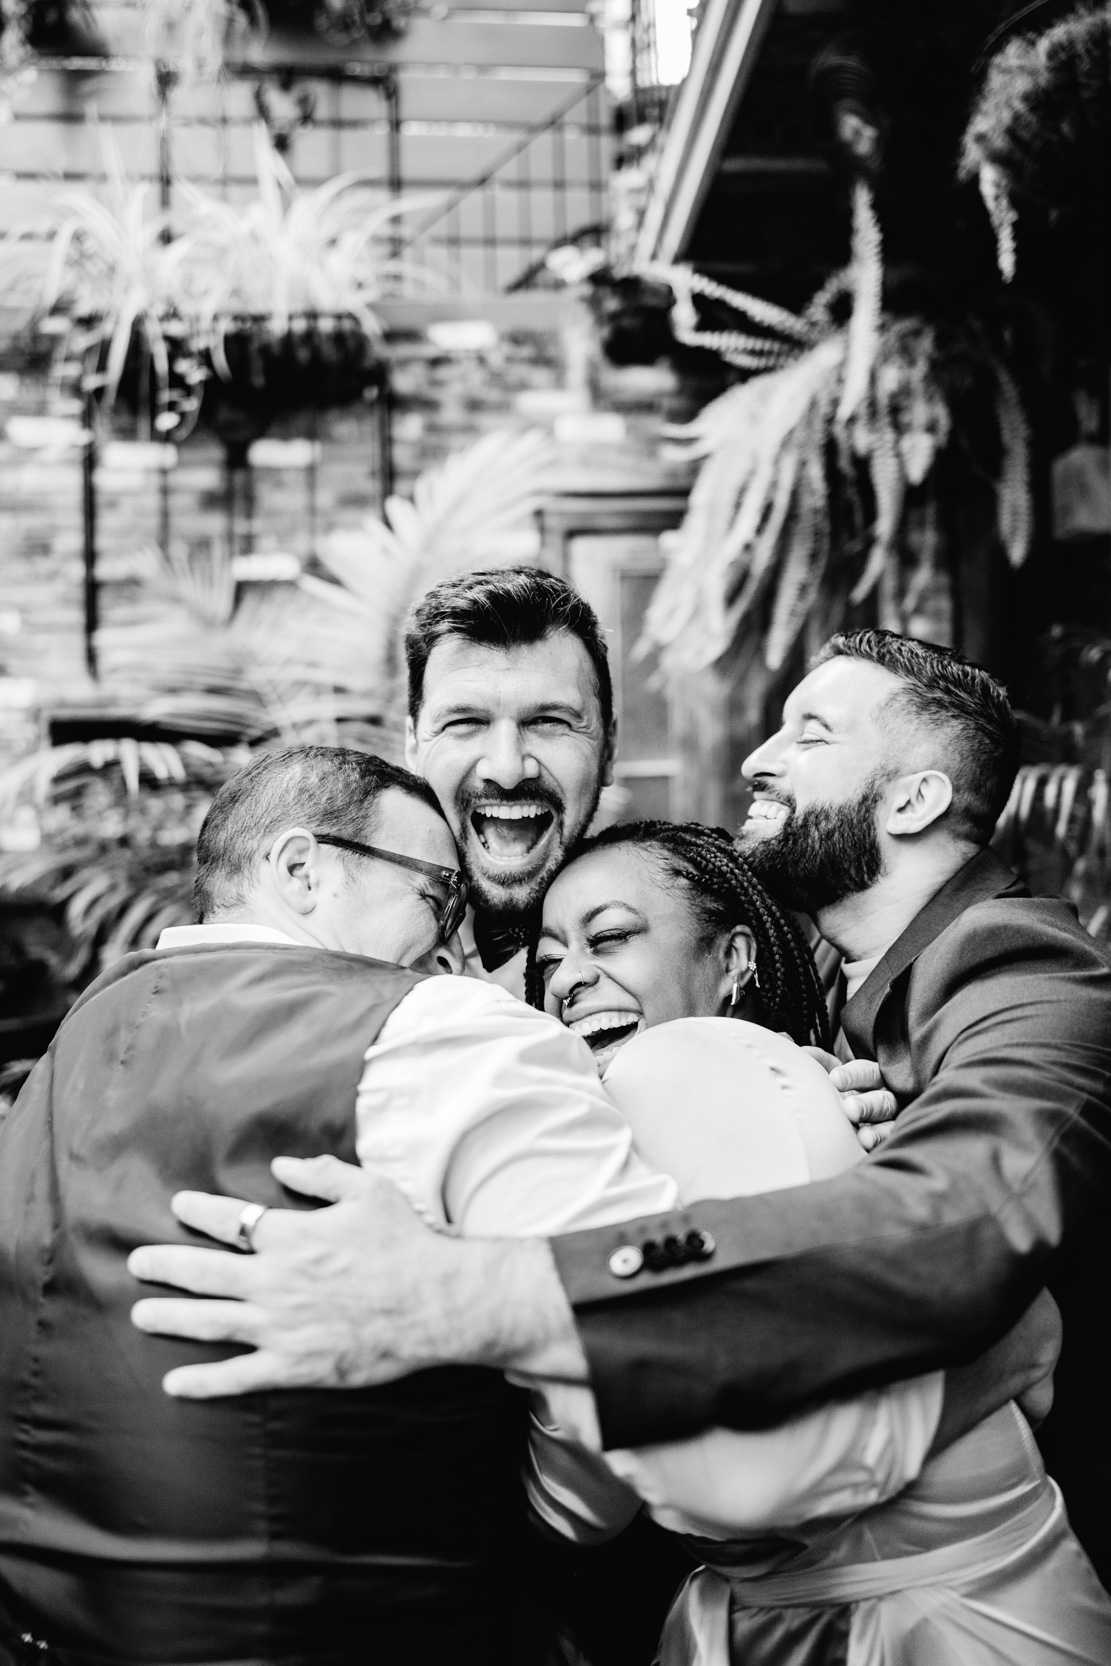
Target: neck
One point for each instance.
(257, 911)
(863, 927)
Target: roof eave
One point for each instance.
(725, 52)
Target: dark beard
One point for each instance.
(820, 855)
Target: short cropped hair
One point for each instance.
(960, 702)
(504, 607)
(327, 789)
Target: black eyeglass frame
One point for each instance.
(451, 915)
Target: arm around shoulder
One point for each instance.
(917, 1260)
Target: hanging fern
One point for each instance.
(859, 400)
(864, 324)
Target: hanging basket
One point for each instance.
(161, 392)
(319, 361)
(347, 22)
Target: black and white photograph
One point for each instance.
(555, 833)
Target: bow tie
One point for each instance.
(498, 937)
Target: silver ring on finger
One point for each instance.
(249, 1217)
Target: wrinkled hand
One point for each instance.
(349, 1296)
(869, 1106)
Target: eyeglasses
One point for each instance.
(454, 907)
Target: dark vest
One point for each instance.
(322, 1526)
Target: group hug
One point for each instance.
(468, 1186)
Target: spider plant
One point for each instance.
(110, 293)
(193, 35)
(289, 261)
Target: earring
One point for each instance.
(740, 981)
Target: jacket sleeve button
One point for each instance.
(626, 1261)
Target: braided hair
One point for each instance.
(723, 892)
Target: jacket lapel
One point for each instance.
(983, 877)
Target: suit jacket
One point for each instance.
(991, 1019)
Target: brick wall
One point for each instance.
(441, 401)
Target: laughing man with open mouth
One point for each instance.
(511, 723)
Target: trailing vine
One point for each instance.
(833, 404)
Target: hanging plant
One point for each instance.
(841, 416)
(283, 289)
(110, 297)
(16, 64)
(345, 22)
(32, 29)
(1039, 134)
(194, 36)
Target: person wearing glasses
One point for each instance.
(286, 1527)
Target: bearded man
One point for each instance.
(511, 724)
(990, 1014)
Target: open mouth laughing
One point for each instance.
(607, 1031)
(511, 831)
(766, 815)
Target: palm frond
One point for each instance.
(118, 821)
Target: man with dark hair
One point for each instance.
(511, 723)
(930, 710)
(990, 1014)
(960, 704)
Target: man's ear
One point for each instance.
(411, 746)
(293, 861)
(917, 801)
(610, 753)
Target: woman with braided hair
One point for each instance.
(722, 893)
(656, 938)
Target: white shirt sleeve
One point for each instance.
(492, 1120)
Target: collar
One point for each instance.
(189, 937)
(982, 877)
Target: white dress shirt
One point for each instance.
(491, 1118)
